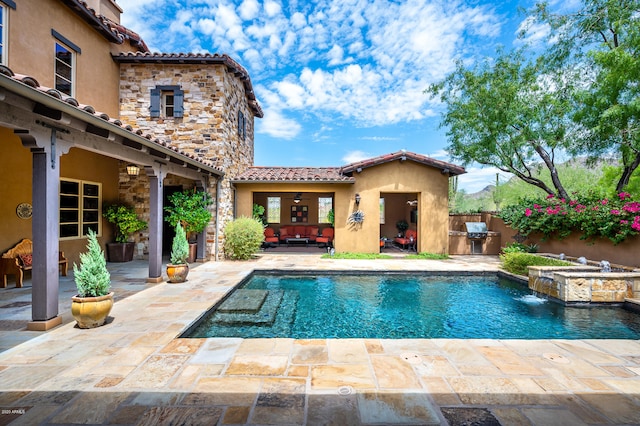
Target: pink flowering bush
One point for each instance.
(616, 218)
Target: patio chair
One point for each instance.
(409, 241)
(270, 238)
(326, 238)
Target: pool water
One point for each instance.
(402, 306)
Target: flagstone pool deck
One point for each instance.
(134, 370)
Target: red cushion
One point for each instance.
(300, 230)
(26, 259)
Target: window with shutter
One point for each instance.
(167, 102)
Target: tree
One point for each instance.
(603, 39)
(503, 113)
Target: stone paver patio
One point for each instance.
(134, 370)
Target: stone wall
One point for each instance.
(209, 128)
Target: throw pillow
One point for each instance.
(26, 259)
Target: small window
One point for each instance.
(381, 211)
(167, 102)
(64, 69)
(80, 208)
(242, 125)
(3, 34)
(325, 204)
(273, 209)
(4, 29)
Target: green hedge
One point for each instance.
(243, 238)
(518, 263)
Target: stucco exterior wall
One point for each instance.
(209, 128)
(431, 190)
(32, 51)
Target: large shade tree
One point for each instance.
(603, 38)
(504, 113)
(579, 96)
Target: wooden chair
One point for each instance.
(20, 259)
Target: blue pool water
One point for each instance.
(402, 306)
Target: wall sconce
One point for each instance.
(357, 199)
(297, 198)
(133, 170)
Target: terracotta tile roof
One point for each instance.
(452, 169)
(162, 146)
(293, 174)
(98, 22)
(196, 58)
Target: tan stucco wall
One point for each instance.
(399, 182)
(431, 190)
(16, 174)
(32, 51)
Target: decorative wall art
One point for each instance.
(299, 214)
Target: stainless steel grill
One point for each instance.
(476, 230)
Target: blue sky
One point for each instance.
(343, 80)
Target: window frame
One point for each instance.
(242, 125)
(325, 219)
(158, 102)
(4, 31)
(270, 209)
(74, 50)
(80, 208)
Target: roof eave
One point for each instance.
(332, 181)
(35, 95)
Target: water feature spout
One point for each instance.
(605, 266)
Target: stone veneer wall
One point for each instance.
(209, 128)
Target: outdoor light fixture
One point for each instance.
(357, 199)
(297, 198)
(133, 170)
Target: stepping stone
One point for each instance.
(244, 301)
(265, 316)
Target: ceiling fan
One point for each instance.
(298, 197)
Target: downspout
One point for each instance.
(218, 189)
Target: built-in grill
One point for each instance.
(476, 230)
(476, 234)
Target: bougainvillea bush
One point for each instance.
(593, 217)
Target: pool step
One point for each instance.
(244, 301)
(265, 315)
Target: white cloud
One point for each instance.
(477, 178)
(354, 156)
(249, 9)
(535, 33)
(277, 125)
(440, 155)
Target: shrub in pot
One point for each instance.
(178, 268)
(126, 222)
(402, 226)
(91, 306)
(190, 208)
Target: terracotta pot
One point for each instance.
(177, 273)
(91, 312)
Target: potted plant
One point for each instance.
(190, 208)
(178, 268)
(91, 306)
(126, 222)
(402, 226)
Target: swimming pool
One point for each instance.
(396, 306)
